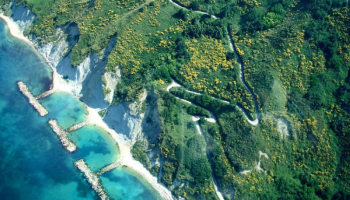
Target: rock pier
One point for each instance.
(77, 126)
(66, 142)
(32, 100)
(109, 168)
(45, 94)
(92, 178)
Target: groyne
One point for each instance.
(109, 168)
(124, 146)
(77, 126)
(92, 179)
(45, 94)
(32, 100)
(66, 142)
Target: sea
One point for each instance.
(33, 162)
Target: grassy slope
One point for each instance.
(294, 65)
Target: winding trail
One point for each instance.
(134, 10)
(212, 118)
(196, 11)
(257, 167)
(199, 129)
(241, 75)
(232, 47)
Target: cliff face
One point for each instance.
(85, 80)
(22, 15)
(137, 121)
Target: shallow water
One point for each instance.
(96, 146)
(115, 181)
(65, 108)
(33, 163)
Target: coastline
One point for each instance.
(59, 84)
(14, 29)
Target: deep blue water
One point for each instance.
(33, 163)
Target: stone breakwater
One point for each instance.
(77, 126)
(92, 178)
(66, 142)
(61, 85)
(45, 94)
(109, 168)
(32, 100)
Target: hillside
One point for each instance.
(267, 81)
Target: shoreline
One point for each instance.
(59, 84)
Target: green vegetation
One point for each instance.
(102, 112)
(204, 101)
(183, 150)
(296, 59)
(139, 153)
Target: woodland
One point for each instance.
(296, 61)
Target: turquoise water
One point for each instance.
(115, 181)
(33, 163)
(65, 108)
(96, 147)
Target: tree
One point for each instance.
(182, 14)
(271, 20)
(335, 62)
(194, 5)
(278, 8)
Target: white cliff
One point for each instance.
(56, 50)
(111, 81)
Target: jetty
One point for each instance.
(77, 126)
(109, 168)
(66, 142)
(92, 179)
(45, 94)
(32, 100)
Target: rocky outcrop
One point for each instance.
(125, 118)
(56, 50)
(110, 81)
(22, 15)
(92, 91)
(151, 124)
(283, 127)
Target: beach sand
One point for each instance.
(59, 84)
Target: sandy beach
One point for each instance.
(14, 29)
(59, 84)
